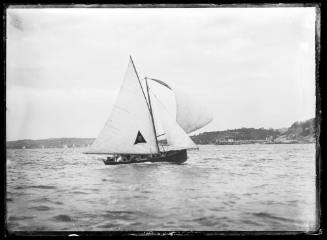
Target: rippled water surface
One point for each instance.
(220, 188)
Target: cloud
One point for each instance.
(253, 66)
(33, 113)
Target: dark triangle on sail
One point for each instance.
(139, 138)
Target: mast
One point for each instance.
(148, 103)
(150, 108)
(129, 117)
(140, 84)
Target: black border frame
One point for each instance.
(319, 38)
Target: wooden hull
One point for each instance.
(176, 156)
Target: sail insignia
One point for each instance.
(139, 138)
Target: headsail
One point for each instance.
(190, 115)
(129, 128)
(175, 135)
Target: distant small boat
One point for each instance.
(23, 147)
(130, 134)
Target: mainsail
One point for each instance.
(129, 128)
(190, 115)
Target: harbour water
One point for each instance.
(254, 187)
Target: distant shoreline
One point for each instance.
(285, 143)
(297, 133)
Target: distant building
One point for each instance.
(269, 139)
(226, 141)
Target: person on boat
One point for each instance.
(122, 158)
(125, 158)
(119, 158)
(131, 157)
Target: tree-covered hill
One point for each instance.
(51, 143)
(298, 132)
(235, 135)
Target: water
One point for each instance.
(220, 188)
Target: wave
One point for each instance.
(209, 221)
(125, 215)
(36, 186)
(215, 194)
(250, 222)
(79, 192)
(270, 216)
(41, 208)
(109, 225)
(63, 218)
(16, 218)
(211, 158)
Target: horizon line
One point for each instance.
(189, 135)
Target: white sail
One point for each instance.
(129, 128)
(175, 135)
(190, 115)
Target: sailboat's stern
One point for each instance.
(176, 156)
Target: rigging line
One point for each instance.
(161, 104)
(150, 108)
(139, 82)
(161, 135)
(163, 149)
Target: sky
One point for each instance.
(250, 67)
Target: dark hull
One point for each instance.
(176, 156)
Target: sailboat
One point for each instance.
(130, 134)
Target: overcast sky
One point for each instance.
(254, 67)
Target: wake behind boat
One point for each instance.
(130, 134)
